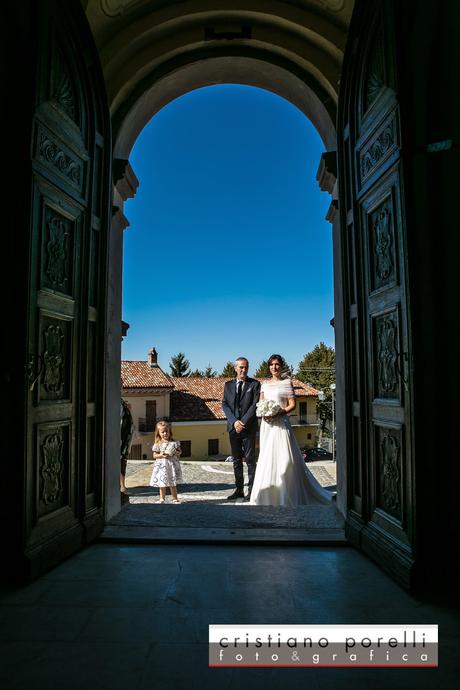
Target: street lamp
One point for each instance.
(321, 398)
(332, 387)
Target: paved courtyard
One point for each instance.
(205, 513)
(204, 482)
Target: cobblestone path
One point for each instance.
(208, 482)
(204, 504)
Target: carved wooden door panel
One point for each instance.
(380, 468)
(70, 189)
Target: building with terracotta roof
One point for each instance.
(146, 389)
(193, 405)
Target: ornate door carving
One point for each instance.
(70, 192)
(380, 510)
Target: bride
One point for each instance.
(282, 478)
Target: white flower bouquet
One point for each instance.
(168, 448)
(267, 408)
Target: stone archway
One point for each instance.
(151, 59)
(392, 58)
(250, 70)
(296, 51)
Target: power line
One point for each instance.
(316, 369)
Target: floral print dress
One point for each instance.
(166, 471)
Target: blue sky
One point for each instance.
(228, 252)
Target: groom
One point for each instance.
(239, 406)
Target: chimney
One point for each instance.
(153, 358)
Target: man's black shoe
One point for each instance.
(247, 498)
(235, 494)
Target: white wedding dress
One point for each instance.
(282, 478)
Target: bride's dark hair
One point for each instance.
(284, 367)
(280, 359)
(285, 370)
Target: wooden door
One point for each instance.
(69, 224)
(380, 517)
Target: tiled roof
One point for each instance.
(192, 398)
(200, 399)
(141, 375)
(196, 398)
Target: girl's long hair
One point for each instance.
(159, 424)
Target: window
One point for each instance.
(151, 413)
(213, 446)
(303, 412)
(186, 449)
(309, 437)
(147, 423)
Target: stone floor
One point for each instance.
(118, 617)
(235, 515)
(204, 505)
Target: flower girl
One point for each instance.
(166, 469)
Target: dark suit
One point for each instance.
(243, 443)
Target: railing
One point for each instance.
(146, 425)
(303, 419)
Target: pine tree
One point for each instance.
(209, 372)
(263, 370)
(229, 370)
(180, 367)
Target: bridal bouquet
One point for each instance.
(168, 448)
(267, 408)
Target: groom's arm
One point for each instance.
(226, 409)
(251, 411)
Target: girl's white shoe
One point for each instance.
(176, 500)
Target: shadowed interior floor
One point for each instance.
(123, 616)
(237, 523)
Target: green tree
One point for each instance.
(207, 373)
(263, 370)
(179, 365)
(229, 370)
(317, 369)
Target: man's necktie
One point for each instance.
(239, 388)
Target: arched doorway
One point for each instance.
(202, 46)
(139, 48)
(239, 185)
(253, 72)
